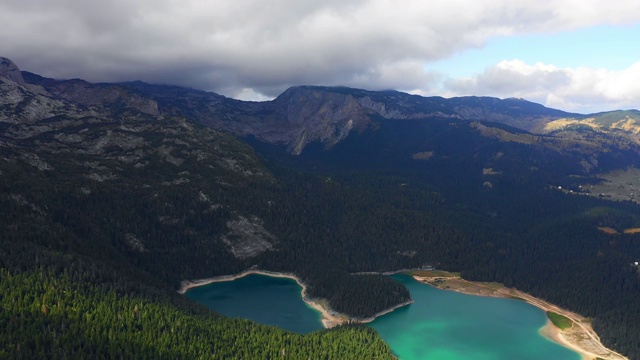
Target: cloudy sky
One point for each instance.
(575, 55)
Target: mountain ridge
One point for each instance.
(307, 113)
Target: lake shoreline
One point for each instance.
(330, 318)
(580, 338)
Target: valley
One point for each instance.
(123, 190)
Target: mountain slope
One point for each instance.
(341, 181)
(104, 208)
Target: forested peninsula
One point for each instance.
(330, 317)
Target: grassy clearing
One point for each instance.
(617, 185)
(608, 230)
(434, 273)
(560, 321)
(494, 285)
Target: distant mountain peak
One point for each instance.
(9, 70)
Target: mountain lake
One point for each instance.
(438, 325)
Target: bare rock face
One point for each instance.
(82, 92)
(247, 238)
(317, 115)
(10, 71)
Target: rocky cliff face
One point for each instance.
(316, 115)
(10, 71)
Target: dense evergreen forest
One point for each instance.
(520, 230)
(64, 306)
(101, 218)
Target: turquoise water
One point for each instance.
(439, 325)
(446, 325)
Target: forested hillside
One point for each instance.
(59, 305)
(111, 194)
(104, 210)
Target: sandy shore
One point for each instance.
(370, 319)
(580, 338)
(330, 318)
(554, 334)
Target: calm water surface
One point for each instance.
(264, 299)
(439, 325)
(446, 325)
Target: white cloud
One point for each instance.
(573, 89)
(262, 47)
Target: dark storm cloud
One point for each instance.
(258, 46)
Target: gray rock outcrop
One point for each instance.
(10, 71)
